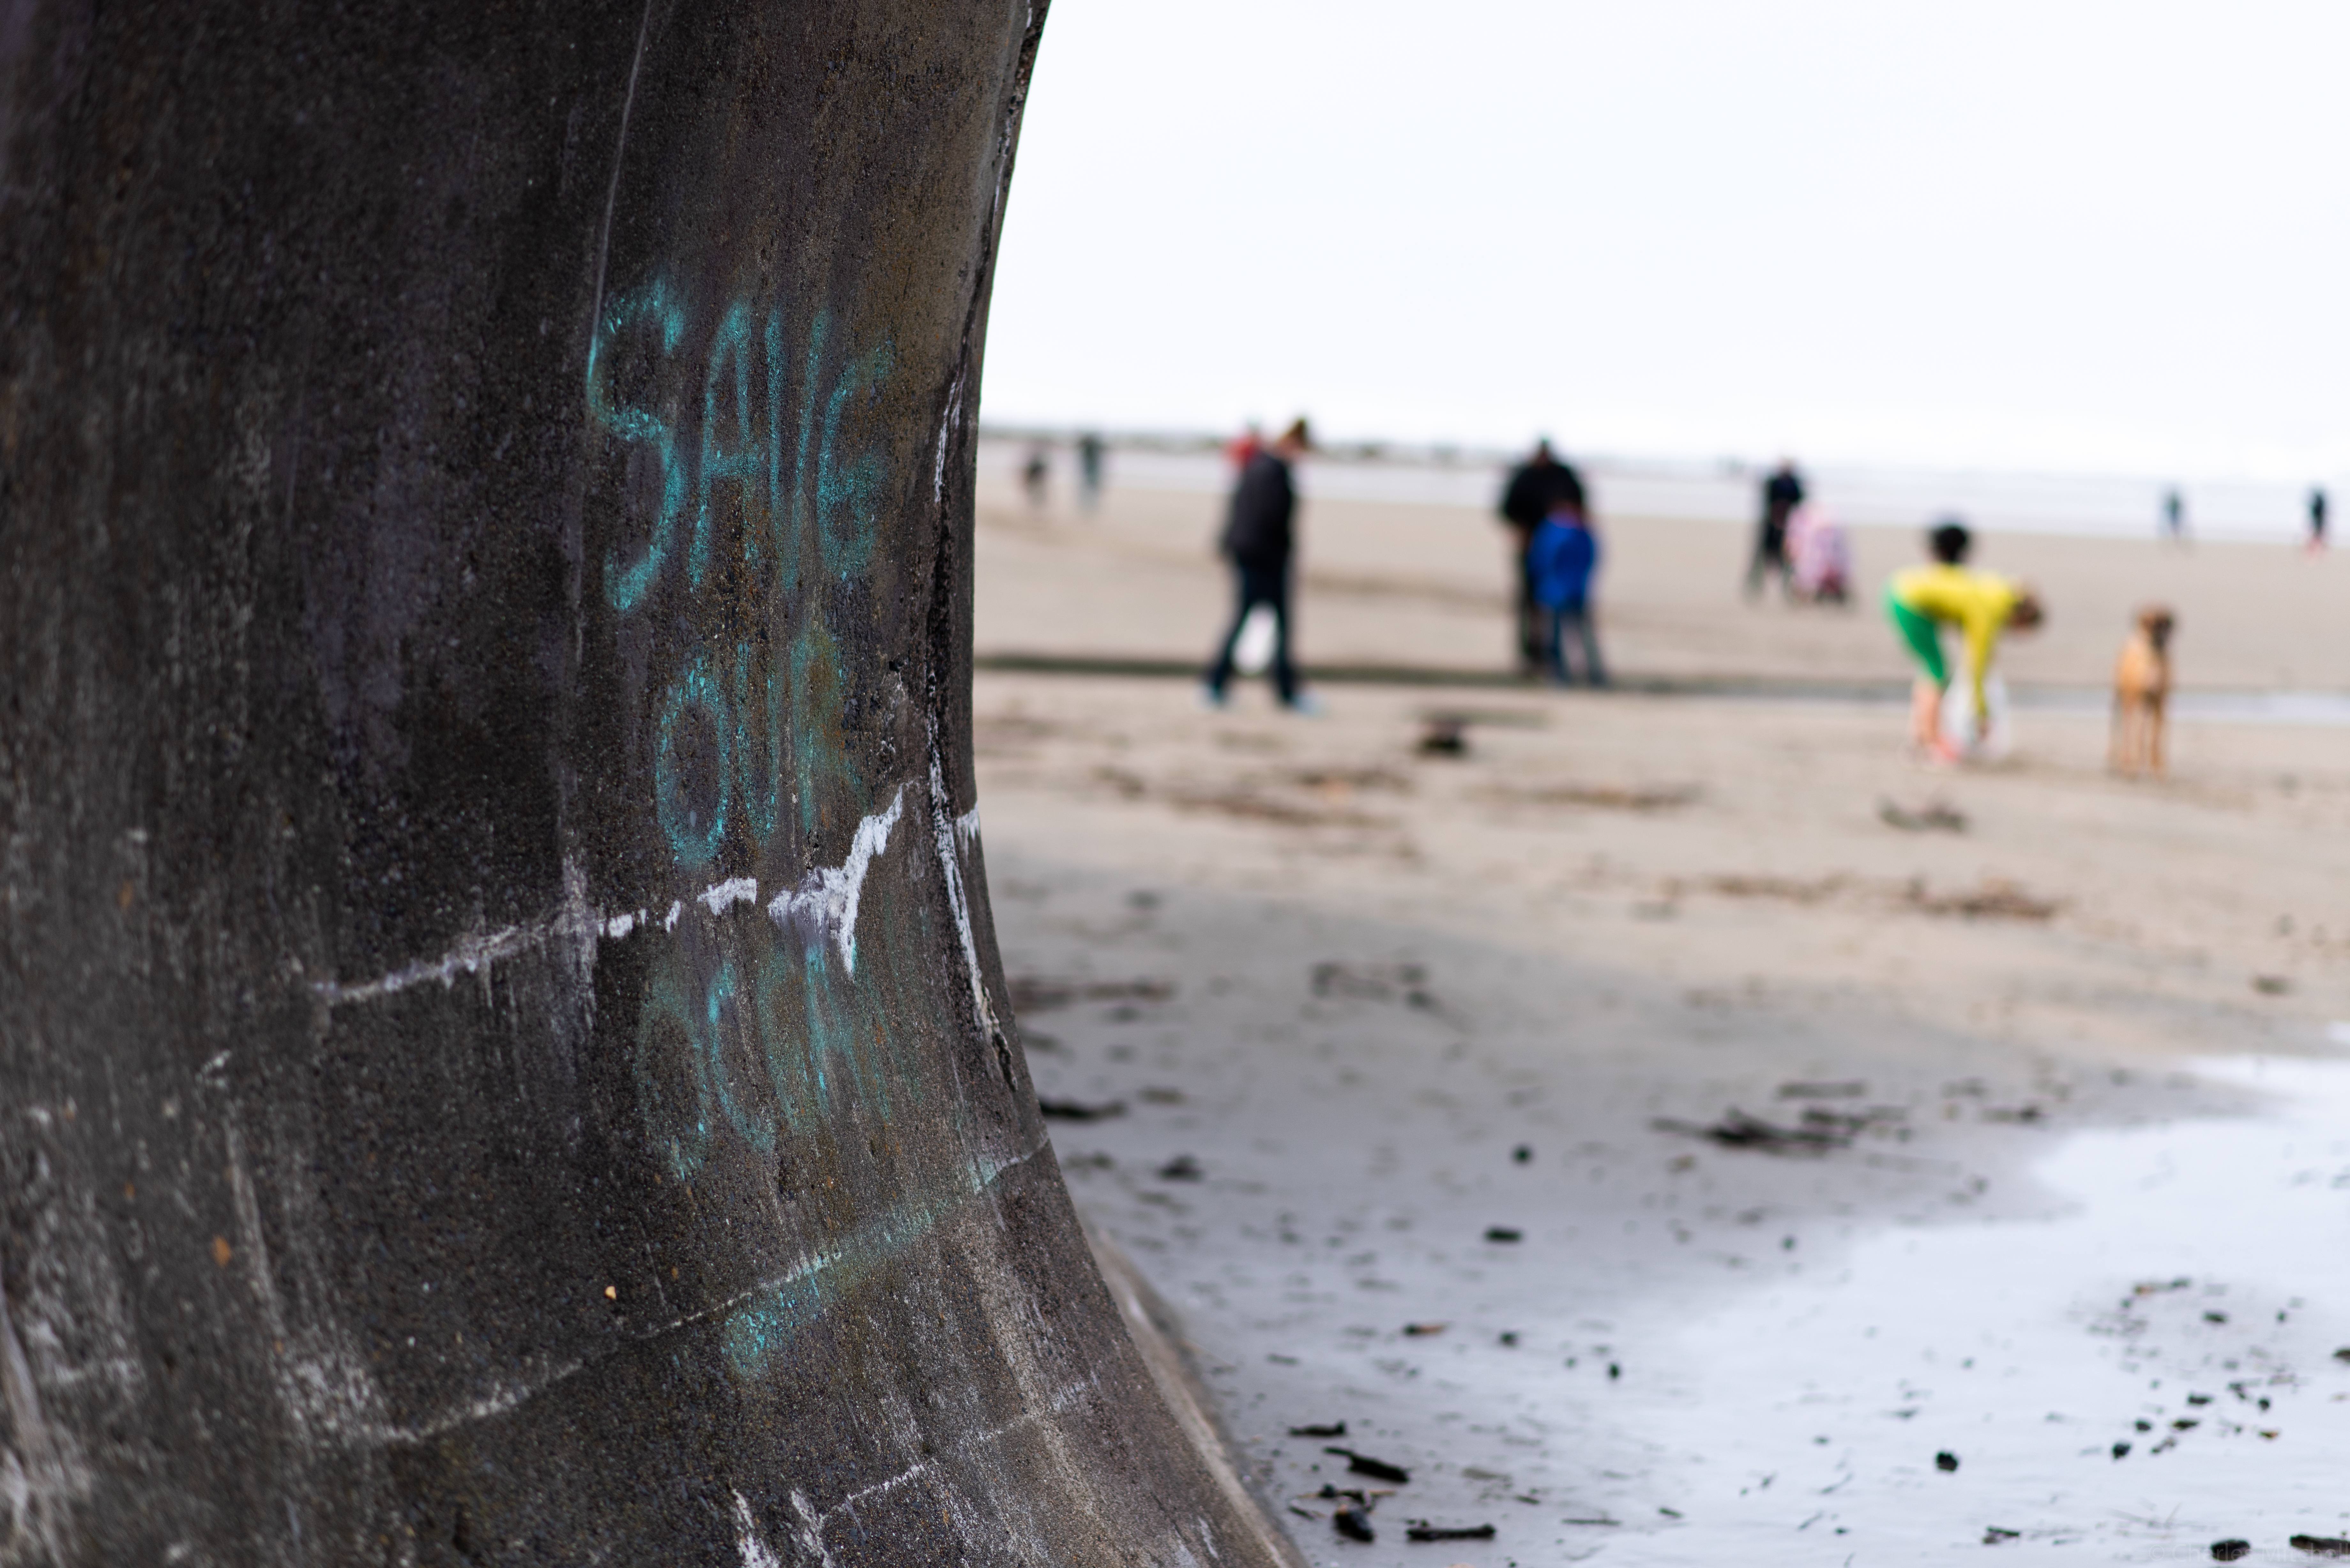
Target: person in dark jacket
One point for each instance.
(1782, 493)
(1259, 539)
(1534, 487)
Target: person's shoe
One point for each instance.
(1305, 705)
(1210, 699)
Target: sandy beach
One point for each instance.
(1351, 980)
(1385, 584)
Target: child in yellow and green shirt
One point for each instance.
(1921, 600)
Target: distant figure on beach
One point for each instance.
(2316, 519)
(1089, 472)
(1534, 487)
(1820, 560)
(1782, 492)
(1259, 539)
(1035, 474)
(1921, 600)
(2174, 515)
(1561, 560)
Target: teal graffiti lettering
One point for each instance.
(797, 485)
(650, 307)
(758, 1131)
(694, 829)
(853, 486)
(676, 1114)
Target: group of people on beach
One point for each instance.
(1557, 549)
(1547, 509)
(1798, 545)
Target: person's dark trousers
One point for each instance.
(1533, 621)
(1576, 621)
(1260, 585)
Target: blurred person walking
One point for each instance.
(2174, 515)
(2317, 520)
(1782, 492)
(1921, 600)
(1089, 472)
(1034, 474)
(1561, 560)
(1259, 539)
(1534, 487)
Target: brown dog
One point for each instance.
(2142, 693)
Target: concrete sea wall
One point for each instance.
(502, 1053)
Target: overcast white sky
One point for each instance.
(2098, 238)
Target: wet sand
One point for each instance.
(2067, 1036)
(1349, 980)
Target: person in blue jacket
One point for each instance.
(1560, 561)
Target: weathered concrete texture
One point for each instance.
(502, 1055)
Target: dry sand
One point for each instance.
(1372, 972)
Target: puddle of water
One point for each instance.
(1801, 1424)
(1798, 1419)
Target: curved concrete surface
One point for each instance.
(502, 1051)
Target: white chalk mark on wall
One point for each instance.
(811, 1527)
(951, 835)
(746, 1537)
(823, 906)
(42, 1476)
(573, 921)
(734, 890)
(1058, 1402)
(946, 430)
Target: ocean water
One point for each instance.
(2097, 506)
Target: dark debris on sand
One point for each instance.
(1995, 900)
(1364, 1465)
(1934, 817)
(1078, 1111)
(1736, 1129)
(1444, 737)
(1039, 993)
